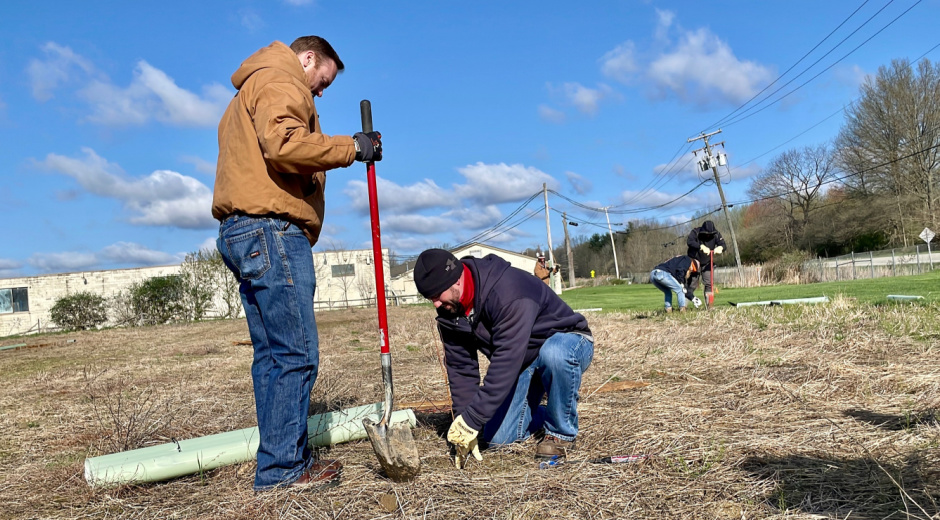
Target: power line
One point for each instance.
(713, 125)
(781, 98)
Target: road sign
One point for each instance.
(927, 235)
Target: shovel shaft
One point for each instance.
(365, 108)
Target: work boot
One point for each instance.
(681, 309)
(322, 473)
(668, 309)
(553, 447)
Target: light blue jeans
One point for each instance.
(271, 259)
(668, 284)
(557, 372)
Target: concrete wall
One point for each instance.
(43, 291)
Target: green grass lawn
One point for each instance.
(644, 297)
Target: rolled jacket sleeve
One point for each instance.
(281, 122)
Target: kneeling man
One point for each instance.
(535, 344)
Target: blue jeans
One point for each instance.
(557, 371)
(271, 259)
(668, 284)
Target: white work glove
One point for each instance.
(696, 302)
(719, 250)
(705, 249)
(464, 438)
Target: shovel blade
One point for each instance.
(395, 448)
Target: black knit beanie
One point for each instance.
(436, 271)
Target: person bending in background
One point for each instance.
(675, 276)
(703, 241)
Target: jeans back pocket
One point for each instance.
(249, 253)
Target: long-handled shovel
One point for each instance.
(393, 443)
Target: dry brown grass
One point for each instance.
(816, 412)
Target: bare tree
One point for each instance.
(795, 182)
(890, 139)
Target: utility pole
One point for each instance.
(709, 161)
(548, 231)
(612, 245)
(564, 223)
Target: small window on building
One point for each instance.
(14, 300)
(21, 299)
(342, 270)
(476, 253)
(6, 301)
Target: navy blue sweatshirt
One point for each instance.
(678, 267)
(513, 314)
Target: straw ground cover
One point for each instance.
(825, 411)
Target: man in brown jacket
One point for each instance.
(269, 186)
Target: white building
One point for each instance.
(403, 286)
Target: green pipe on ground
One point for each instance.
(187, 457)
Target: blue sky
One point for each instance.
(108, 112)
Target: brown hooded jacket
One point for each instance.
(272, 155)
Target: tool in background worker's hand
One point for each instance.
(557, 460)
(464, 438)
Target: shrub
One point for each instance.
(160, 299)
(79, 311)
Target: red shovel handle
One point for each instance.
(365, 107)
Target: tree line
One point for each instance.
(873, 186)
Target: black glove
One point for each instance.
(368, 146)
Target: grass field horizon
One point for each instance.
(646, 297)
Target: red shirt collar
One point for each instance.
(466, 299)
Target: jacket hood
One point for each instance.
(708, 228)
(275, 56)
(487, 271)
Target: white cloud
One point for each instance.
(586, 100)
(620, 63)
(163, 198)
(201, 165)
(136, 254)
(63, 262)
(9, 268)
(654, 198)
(664, 19)
(851, 76)
(58, 67)
(120, 253)
(703, 67)
(251, 20)
(151, 95)
(498, 183)
(547, 113)
(396, 198)
(419, 224)
(580, 184)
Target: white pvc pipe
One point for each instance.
(818, 299)
(191, 456)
